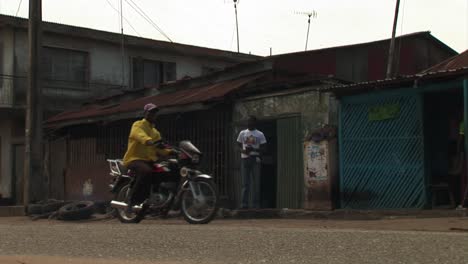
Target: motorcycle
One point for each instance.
(181, 187)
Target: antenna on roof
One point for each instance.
(312, 14)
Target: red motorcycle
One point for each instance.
(176, 184)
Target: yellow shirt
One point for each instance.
(142, 131)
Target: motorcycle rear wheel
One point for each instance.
(122, 214)
(196, 212)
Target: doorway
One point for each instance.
(443, 112)
(268, 177)
(282, 172)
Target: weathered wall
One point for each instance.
(312, 106)
(5, 155)
(7, 66)
(105, 64)
(315, 109)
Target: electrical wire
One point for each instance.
(19, 6)
(142, 13)
(126, 20)
(149, 18)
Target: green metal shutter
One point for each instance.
(382, 158)
(290, 190)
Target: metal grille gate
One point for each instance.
(382, 161)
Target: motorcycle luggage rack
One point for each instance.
(116, 166)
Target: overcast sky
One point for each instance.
(264, 23)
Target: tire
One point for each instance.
(53, 206)
(44, 207)
(122, 215)
(34, 209)
(76, 211)
(208, 188)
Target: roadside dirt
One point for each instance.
(68, 260)
(443, 224)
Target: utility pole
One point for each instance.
(122, 44)
(391, 52)
(237, 25)
(34, 184)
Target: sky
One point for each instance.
(263, 24)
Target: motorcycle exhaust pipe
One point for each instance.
(122, 205)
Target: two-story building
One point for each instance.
(80, 64)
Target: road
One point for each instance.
(231, 241)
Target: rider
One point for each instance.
(142, 153)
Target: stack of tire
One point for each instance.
(64, 210)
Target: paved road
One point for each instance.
(233, 242)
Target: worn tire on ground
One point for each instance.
(76, 211)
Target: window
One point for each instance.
(62, 67)
(149, 73)
(207, 70)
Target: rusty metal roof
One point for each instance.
(200, 94)
(453, 63)
(454, 67)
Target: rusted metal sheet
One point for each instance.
(57, 164)
(87, 175)
(454, 63)
(183, 97)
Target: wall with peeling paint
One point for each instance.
(315, 110)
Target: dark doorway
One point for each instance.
(269, 169)
(443, 112)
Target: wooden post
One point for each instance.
(391, 52)
(33, 180)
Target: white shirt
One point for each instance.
(252, 138)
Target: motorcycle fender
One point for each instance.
(204, 176)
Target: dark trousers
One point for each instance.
(250, 170)
(142, 186)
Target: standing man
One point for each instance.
(251, 144)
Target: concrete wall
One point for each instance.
(312, 106)
(316, 109)
(7, 62)
(5, 154)
(105, 66)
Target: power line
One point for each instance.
(151, 21)
(142, 13)
(126, 20)
(19, 6)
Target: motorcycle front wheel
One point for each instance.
(123, 215)
(200, 208)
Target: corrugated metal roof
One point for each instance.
(453, 67)
(454, 63)
(201, 94)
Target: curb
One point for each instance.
(336, 214)
(9, 211)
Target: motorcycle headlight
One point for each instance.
(195, 158)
